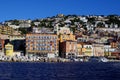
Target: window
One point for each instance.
(86, 47)
(89, 47)
(39, 48)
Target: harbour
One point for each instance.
(59, 40)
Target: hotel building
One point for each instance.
(44, 45)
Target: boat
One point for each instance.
(103, 59)
(97, 59)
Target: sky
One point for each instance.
(32, 9)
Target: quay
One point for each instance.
(31, 59)
(4, 58)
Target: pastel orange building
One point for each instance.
(42, 44)
(68, 49)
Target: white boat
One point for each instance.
(97, 59)
(103, 59)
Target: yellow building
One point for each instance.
(64, 37)
(9, 49)
(87, 50)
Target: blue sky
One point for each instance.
(32, 9)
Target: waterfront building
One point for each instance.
(115, 54)
(87, 50)
(98, 49)
(68, 49)
(9, 50)
(79, 48)
(108, 49)
(18, 41)
(44, 45)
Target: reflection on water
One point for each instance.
(59, 71)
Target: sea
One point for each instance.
(59, 71)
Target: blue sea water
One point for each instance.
(59, 71)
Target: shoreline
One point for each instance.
(110, 61)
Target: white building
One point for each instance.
(14, 26)
(83, 19)
(110, 29)
(24, 25)
(107, 48)
(36, 23)
(36, 30)
(62, 30)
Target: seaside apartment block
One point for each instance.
(43, 45)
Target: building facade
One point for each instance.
(64, 37)
(6, 30)
(1, 45)
(114, 44)
(68, 49)
(44, 45)
(87, 50)
(9, 50)
(98, 50)
(16, 37)
(79, 48)
(62, 30)
(108, 49)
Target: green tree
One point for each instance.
(23, 30)
(15, 22)
(100, 25)
(113, 19)
(91, 20)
